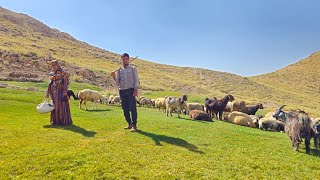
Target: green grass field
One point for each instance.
(97, 147)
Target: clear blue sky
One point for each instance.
(245, 37)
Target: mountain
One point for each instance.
(26, 45)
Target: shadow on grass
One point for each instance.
(73, 128)
(170, 140)
(314, 152)
(195, 120)
(96, 110)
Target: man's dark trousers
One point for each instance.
(128, 102)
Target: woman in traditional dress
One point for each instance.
(57, 90)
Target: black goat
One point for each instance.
(251, 110)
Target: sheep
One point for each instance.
(199, 115)
(240, 118)
(194, 106)
(153, 101)
(160, 103)
(116, 99)
(145, 101)
(110, 98)
(90, 95)
(235, 106)
(174, 103)
(251, 110)
(271, 124)
(256, 119)
(106, 97)
(297, 126)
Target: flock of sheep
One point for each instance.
(296, 124)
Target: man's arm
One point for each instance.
(136, 81)
(115, 76)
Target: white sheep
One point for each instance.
(110, 98)
(160, 103)
(116, 100)
(271, 124)
(240, 118)
(90, 95)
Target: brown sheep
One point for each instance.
(199, 115)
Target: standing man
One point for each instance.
(127, 80)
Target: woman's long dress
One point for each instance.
(61, 113)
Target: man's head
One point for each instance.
(125, 59)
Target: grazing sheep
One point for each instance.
(106, 97)
(217, 106)
(251, 110)
(271, 124)
(199, 115)
(194, 106)
(145, 101)
(174, 103)
(241, 119)
(110, 98)
(297, 126)
(153, 101)
(116, 100)
(160, 103)
(90, 95)
(71, 93)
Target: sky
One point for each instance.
(244, 37)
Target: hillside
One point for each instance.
(301, 78)
(27, 44)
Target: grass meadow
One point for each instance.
(97, 147)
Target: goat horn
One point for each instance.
(281, 107)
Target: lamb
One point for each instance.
(199, 115)
(240, 118)
(90, 95)
(174, 103)
(251, 110)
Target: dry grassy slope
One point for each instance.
(301, 78)
(23, 34)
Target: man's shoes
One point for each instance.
(133, 129)
(128, 127)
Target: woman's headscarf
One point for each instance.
(58, 72)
